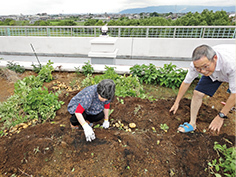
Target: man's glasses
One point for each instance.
(204, 68)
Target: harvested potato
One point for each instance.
(132, 125)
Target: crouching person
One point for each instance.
(91, 105)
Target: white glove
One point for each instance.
(89, 133)
(106, 124)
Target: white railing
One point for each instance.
(122, 31)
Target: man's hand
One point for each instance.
(174, 108)
(89, 133)
(216, 124)
(106, 124)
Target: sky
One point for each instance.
(31, 7)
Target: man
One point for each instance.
(217, 65)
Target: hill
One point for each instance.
(177, 9)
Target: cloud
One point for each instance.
(93, 6)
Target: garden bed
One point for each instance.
(54, 149)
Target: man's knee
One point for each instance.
(197, 94)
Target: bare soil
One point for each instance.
(54, 149)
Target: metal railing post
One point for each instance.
(147, 32)
(203, 33)
(174, 32)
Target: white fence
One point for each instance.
(122, 31)
(142, 46)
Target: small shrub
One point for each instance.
(15, 67)
(37, 68)
(45, 74)
(168, 76)
(87, 68)
(226, 162)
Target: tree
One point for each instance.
(90, 22)
(41, 23)
(67, 23)
(99, 23)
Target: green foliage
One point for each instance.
(87, 68)
(91, 22)
(168, 76)
(147, 74)
(30, 101)
(206, 18)
(125, 85)
(15, 67)
(40, 104)
(37, 68)
(77, 70)
(67, 23)
(164, 127)
(226, 162)
(45, 73)
(41, 23)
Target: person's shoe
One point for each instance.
(187, 127)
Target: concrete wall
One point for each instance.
(132, 48)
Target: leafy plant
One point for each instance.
(226, 161)
(15, 67)
(87, 68)
(30, 101)
(125, 85)
(168, 76)
(45, 74)
(164, 127)
(37, 68)
(77, 70)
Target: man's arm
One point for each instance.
(182, 90)
(217, 122)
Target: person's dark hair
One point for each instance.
(203, 50)
(106, 89)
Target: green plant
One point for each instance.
(87, 68)
(125, 85)
(15, 67)
(168, 76)
(45, 74)
(77, 70)
(37, 68)
(29, 101)
(147, 74)
(226, 161)
(120, 100)
(164, 127)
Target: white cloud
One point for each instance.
(93, 6)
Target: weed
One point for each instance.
(14, 67)
(164, 127)
(87, 68)
(226, 161)
(37, 68)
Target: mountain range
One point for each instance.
(176, 9)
